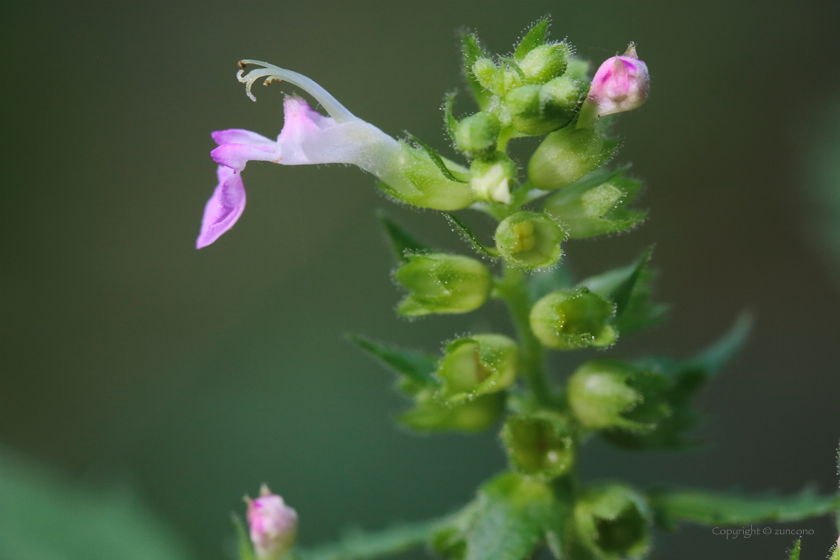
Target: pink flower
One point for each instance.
(273, 525)
(620, 84)
(307, 138)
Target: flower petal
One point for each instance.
(223, 208)
(240, 136)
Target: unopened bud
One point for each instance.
(273, 525)
(600, 395)
(545, 63)
(529, 240)
(441, 283)
(538, 109)
(568, 154)
(491, 178)
(488, 75)
(613, 522)
(539, 445)
(477, 365)
(621, 84)
(477, 134)
(571, 319)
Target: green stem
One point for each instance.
(513, 290)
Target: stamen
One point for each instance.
(273, 73)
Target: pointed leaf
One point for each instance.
(402, 242)
(533, 38)
(715, 357)
(470, 52)
(449, 118)
(437, 160)
(470, 237)
(708, 508)
(246, 550)
(621, 294)
(416, 367)
(794, 553)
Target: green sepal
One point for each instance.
(835, 552)
(401, 241)
(432, 415)
(449, 119)
(629, 287)
(243, 541)
(364, 546)
(530, 241)
(612, 522)
(437, 160)
(539, 444)
(442, 283)
(477, 365)
(470, 237)
(794, 553)
(671, 506)
(510, 63)
(573, 319)
(414, 369)
(470, 52)
(683, 380)
(595, 205)
(577, 69)
(568, 154)
(533, 38)
(509, 518)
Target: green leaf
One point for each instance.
(794, 554)
(708, 508)
(246, 550)
(468, 235)
(509, 518)
(720, 353)
(449, 119)
(595, 204)
(470, 52)
(629, 288)
(436, 159)
(362, 546)
(45, 516)
(402, 242)
(533, 38)
(417, 368)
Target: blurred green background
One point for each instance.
(127, 355)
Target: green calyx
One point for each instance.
(530, 241)
(477, 134)
(545, 62)
(613, 522)
(442, 283)
(478, 365)
(568, 154)
(539, 444)
(572, 319)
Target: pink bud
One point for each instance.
(273, 525)
(620, 84)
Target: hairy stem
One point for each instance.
(513, 290)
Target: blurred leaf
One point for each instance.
(246, 549)
(706, 508)
(46, 517)
(361, 546)
(714, 358)
(794, 554)
(532, 39)
(417, 368)
(432, 415)
(400, 240)
(470, 52)
(470, 237)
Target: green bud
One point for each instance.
(538, 445)
(418, 180)
(568, 154)
(488, 75)
(432, 415)
(600, 394)
(545, 62)
(441, 283)
(477, 365)
(613, 521)
(491, 178)
(536, 110)
(529, 240)
(577, 69)
(570, 319)
(595, 205)
(477, 134)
